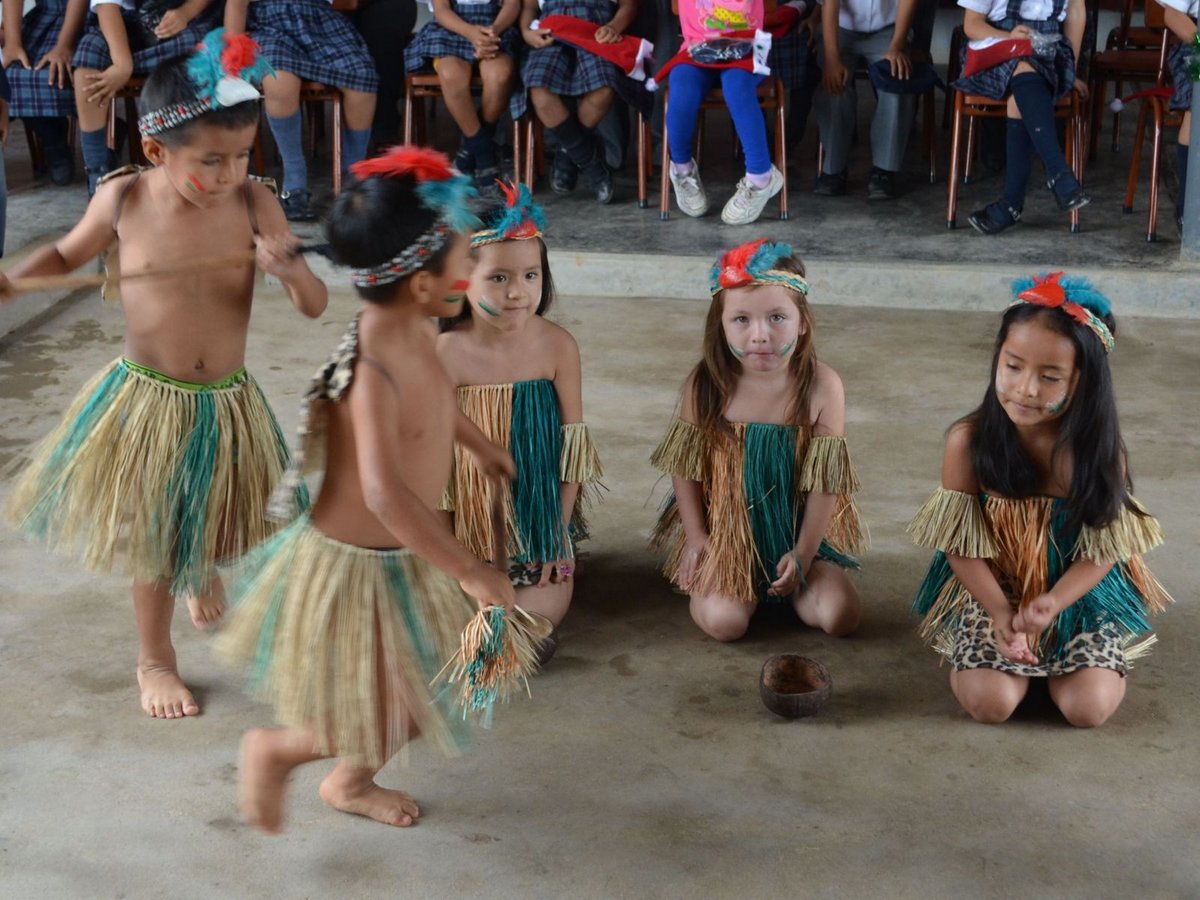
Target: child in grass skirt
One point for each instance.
(761, 507)
(171, 452)
(346, 617)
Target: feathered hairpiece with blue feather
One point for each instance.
(520, 219)
(440, 189)
(1076, 297)
(222, 69)
(754, 263)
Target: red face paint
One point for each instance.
(194, 183)
(460, 285)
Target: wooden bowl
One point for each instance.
(794, 686)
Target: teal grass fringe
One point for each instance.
(536, 445)
(768, 481)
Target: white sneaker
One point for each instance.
(689, 192)
(747, 202)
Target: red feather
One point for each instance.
(510, 192)
(1045, 291)
(419, 163)
(240, 53)
(733, 265)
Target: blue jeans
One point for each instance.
(688, 86)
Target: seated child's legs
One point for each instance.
(988, 696)
(830, 600)
(93, 128)
(1035, 107)
(721, 617)
(836, 115)
(1181, 159)
(741, 96)
(164, 695)
(551, 600)
(281, 100)
(687, 87)
(497, 75)
(454, 75)
(1088, 697)
(594, 106)
(550, 109)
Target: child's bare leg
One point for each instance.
(91, 116)
(829, 601)
(266, 758)
(358, 109)
(721, 617)
(164, 695)
(989, 696)
(594, 106)
(353, 790)
(207, 609)
(497, 75)
(1087, 697)
(551, 601)
(454, 75)
(549, 107)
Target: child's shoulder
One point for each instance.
(555, 336)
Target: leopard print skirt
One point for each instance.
(975, 648)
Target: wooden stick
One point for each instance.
(195, 266)
(499, 527)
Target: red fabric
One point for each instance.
(994, 54)
(683, 57)
(626, 53)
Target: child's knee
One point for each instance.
(988, 702)
(843, 618)
(1088, 709)
(721, 621)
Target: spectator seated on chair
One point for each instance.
(124, 38)
(876, 31)
(720, 40)
(308, 40)
(387, 27)
(1180, 16)
(37, 55)
(462, 35)
(553, 70)
(1032, 82)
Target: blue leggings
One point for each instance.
(688, 86)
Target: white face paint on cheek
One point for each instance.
(1056, 406)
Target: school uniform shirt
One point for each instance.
(1031, 10)
(1191, 7)
(867, 15)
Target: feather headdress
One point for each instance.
(518, 220)
(223, 70)
(1076, 297)
(754, 263)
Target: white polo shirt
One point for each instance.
(1031, 10)
(867, 15)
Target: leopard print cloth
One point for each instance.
(975, 648)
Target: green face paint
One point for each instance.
(487, 309)
(737, 354)
(1055, 408)
(787, 348)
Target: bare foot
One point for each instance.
(370, 800)
(263, 770)
(207, 611)
(164, 695)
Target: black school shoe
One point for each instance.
(881, 185)
(297, 206)
(994, 218)
(1070, 198)
(830, 185)
(601, 178)
(563, 173)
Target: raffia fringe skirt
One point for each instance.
(177, 474)
(347, 640)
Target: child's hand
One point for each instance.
(484, 40)
(836, 77)
(1012, 643)
(58, 61)
(1021, 32)
(99, 87)
(487, 587)
(494, 462)
(538, 37)
(606, 35)
(901, 65)
(693, 553)
(171, 24)
(557, 572)
(276, 255)
(1081, 88)
(788, 577)
(6, 290)
(1036, 616)
(16, 54)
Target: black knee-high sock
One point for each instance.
(482, 147)
(1032, 94)
(1019, 162)
(1181, 166)
(578, 144)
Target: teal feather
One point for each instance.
(535, 443)
(1082, 291)
(767, 256)
(452, 199)
(525, 208)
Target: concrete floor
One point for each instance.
(644, 765)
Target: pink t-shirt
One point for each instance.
(705, 19)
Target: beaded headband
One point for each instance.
(219, 70)
(440, 189)
(520, 219)
(1055, 290)
(754, 263)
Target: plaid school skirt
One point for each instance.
(790, 59)
(1181, 78)
(311, 40)
(92, 51)
(1059, 70)
(435, 42)
(32, 93)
